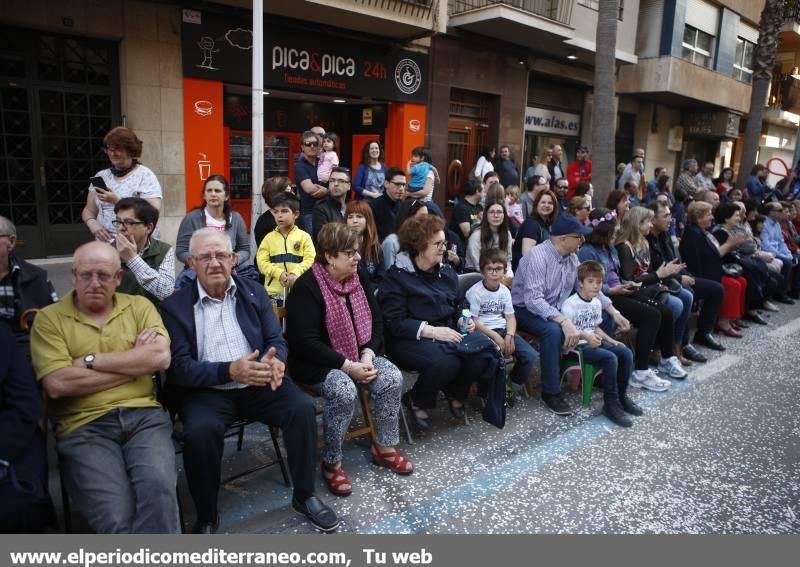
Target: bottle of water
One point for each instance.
(463, 321)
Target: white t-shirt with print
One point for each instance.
(141, 182)
(211, 222)
(490, 307)
(585, 315)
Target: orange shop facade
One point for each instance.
(359, 87)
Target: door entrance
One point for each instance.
(60, 96)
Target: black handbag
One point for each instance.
(654, 294)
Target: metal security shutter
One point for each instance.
(748, 33)
(651, 12)
(703, 16)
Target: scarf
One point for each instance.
(122, 171)
(346, 333)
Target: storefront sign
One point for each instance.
(220, 48)
(712, 124)
(552, 122)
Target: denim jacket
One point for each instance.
(600, 254)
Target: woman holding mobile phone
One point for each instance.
(125, 177)
(654, 324)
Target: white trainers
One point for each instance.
(671, 367)
(648, 380)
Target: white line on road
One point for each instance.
(785, 330)
(716, 366)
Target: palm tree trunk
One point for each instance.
(764, 59)
(604, 118)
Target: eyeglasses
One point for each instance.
(495, 270)
(311, 144)
(563, 186)
(208, 258)
(113, 149)
(338, 180)
(87, 277)
(7, 235)
(351, 253)
(578, 236)
(440, 244)
(127, 222)
(399, 184)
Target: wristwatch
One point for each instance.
(88, 360)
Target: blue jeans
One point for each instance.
(120, 471)
(681, 307)
(305, 221)
(525, 356)
(616, 362)
(551, 338)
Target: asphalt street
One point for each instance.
(719, 453)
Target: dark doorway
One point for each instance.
(59, 97)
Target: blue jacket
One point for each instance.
(256, 319)
(409, 297)
(756, 189)
(772, 240)
(598, 254)
(360, 179)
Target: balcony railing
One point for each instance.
(557, 10)
(410, 8)
(785, 93)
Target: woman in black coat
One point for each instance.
(23, 456)
(335, 334)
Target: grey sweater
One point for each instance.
(196, 219)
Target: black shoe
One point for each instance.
(755, 318)
(631, 407)
(692, 353)
(318, 513)
(207, 528)
(706, 340)
(613, 411)
(422, 424)
(783, 298)
(456, 411)
(794, 295)
(557, 404)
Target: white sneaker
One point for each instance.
(671, 367)
(648, 380)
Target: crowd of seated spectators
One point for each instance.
(371, 288)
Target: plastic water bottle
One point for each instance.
(463, 321)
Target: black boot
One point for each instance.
(630, 406)
(612, 409)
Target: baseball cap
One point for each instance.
(568, 224)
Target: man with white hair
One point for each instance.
(228, 363)
(23, 286)
(95, 352)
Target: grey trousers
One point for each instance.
(120, 471)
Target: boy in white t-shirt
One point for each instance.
(605, 353)
(493, 313)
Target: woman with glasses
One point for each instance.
(125, 177)
(426, 331)
(493, 232)
(579, 207)
(215, 212)
(148, 265)
(335, 334)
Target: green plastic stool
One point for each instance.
(588, 374)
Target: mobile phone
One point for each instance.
(98, 183)
(633, 285)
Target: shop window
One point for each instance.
(743, 63)
(697, 46)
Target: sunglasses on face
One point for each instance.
(311, 144)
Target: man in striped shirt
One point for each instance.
(546, 276)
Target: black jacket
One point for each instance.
(311, 356)
(34, 291)
(325, 211)
(384, 209)
(701, 256)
